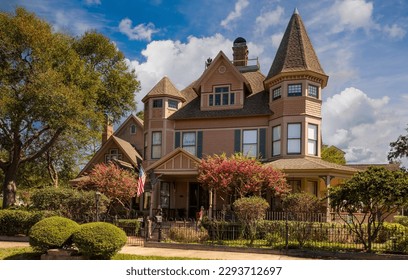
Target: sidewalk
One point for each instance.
(208, 255)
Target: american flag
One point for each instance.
(141, 182)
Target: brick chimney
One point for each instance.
(107, 130)
(240, 52)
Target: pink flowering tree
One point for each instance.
(239, 175)
(117, 184)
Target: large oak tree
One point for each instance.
(52, 87)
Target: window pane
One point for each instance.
(189, 139)
(157, 103)
(311, 147)
(276, 148)
(217, 99)
(225, 99)
(312, 91)
(190, 149)
(156, 151)
(232, 98)
(249, 150)
(312, 131)
(156, 138)
(221, 89)
(276, 94)
(294, 146)
(294, 130)
(250, 136)
(173, 104)
(133, 129)
(295, 90)
(276, 133)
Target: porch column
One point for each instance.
(210, 206)
(327, 180)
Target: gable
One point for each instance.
(178, 162)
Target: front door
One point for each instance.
(197, 197)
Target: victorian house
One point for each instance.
(232, 107)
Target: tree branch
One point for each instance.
(35, 136)
(44, 148)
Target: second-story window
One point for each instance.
(173, 104)
(157, 103)
(189, 142)
(294, 138)
(221, 96)
(313, 91)
(250, 143)
(156, 144)
(295, 90)
(312, 139)
(276, 140)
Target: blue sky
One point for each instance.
(362, 45)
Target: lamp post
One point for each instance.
(97, 197)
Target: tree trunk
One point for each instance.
(9, 186)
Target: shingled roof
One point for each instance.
(254, 105)
(295, 53)
(164, 88)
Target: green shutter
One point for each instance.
(199, 144)
(177, 140)
(237, 141)
(262, 142)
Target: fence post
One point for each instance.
(287, 231)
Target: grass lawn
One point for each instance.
(27, 253)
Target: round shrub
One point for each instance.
(99, 240)
(52, 233)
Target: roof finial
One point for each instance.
(296, 12)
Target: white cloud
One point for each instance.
(139, 32)
(267, 19)
(352, 15)
(395, 31)
(362, 126)
(75, 21)
(239, 6)
(276, 39)
(92, 2)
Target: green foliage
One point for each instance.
(376, 192)
(52, 233)
(249, 211)
(99, 240)
(333, 154)
(130, 226)
(70, 203)
(403, 220)
(389, 231)
(399, 148)
(302, 202)
(188, 235)
(14, 222)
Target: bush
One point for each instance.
(130, 226)
(390, 230)
(52, 233)
(188, 235)
(402, 220)
(70, 203)
(99, 240)
(14, 222)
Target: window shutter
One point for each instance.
(199, 144)
(237, 141)
(177, 140)
(262, 142)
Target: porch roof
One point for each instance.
(308, 166)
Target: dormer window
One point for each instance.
(133, 129)
(173, 104)
(157, 103)
(295, 90)
(222, 96)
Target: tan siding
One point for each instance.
(218, 141)
(313, 107)
(222, 123)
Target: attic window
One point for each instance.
(222, 96)
(173, 104)
(276, 93)
(133, 129)
(313, 91)
(113, 155)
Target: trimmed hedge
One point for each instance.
(403, 220)
(14, 222)
(130, 226)
(99, 240)
(52, 233)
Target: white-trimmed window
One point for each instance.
(173, 104)
(313, 91)
(112, 155)
(157, 103)
(276, 93)
(221, 96)
(312, 139)
(133, 129)
(276, 140)
(250, 143)
(295, 185)
(156, 144)
(295, 90)
(294, 138)
(189, 142)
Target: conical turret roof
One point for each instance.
(164, 88)
(295, 53)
